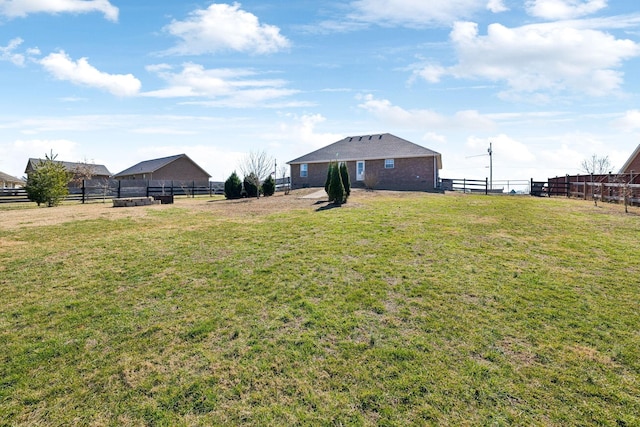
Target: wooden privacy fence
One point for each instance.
(618, 188)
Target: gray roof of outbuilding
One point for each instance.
(368, 147)
(100, 170)
(150, 166)
(8, 178)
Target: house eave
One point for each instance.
(299, 162)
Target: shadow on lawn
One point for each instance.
(327, 206)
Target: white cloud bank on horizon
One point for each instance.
(223, 27)
(80, 72)
(537, 59)
(22, 8)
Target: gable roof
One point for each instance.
(4, 177)
(368, 147)
(100, 170)
(630, 160)
(150, 166)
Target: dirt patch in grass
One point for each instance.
(31, 216)
(43, 216)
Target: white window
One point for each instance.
(389, 164)
(304, 170)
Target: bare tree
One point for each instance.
(596, 165)
(257, 166)
(283, 174)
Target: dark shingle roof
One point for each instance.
(150, 166)
(96, 170)
(367, 147)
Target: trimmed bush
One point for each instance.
(251, 185)
(346, 182)
(336, 188)
(233, 187)
(328, 180)
(269, 186)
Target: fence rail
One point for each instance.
(511, 186)
(465, 185)
(106, 189)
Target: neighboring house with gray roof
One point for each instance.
(79, 170)
(8, 181)
(381, 161)
(173, 168)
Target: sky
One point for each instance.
(548, 83)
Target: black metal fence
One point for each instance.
(107, 189)
(510, 186)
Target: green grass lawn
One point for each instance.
(409, 309)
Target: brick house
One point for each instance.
(179, 168)
(633, 163)
(381, 161)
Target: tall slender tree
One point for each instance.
(336, 188)
(346, 182)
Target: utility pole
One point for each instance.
(490, 151)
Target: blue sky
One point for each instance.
(114, 82)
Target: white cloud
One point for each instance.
(301, 132)
(80, 72)
(7, 53)
(22, 8)
(536, 59)
(225, 27)
(414, 13)
(629, 122)
(21, 150)
(226, 87)
(394, 115)
(563, 9)
(507, 149)
(497, 6)
(434, 137)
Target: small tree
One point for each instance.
(269, 186)
(336, 192)
(344, 175)
(252, 185)
(596, 165)
(48, 183)
(285, 182)
(82, 171)
(233, 187)
(370, 180)
(256, 167)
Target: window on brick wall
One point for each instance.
(304, 170)
(389, 164)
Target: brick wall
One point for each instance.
(414, 174)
